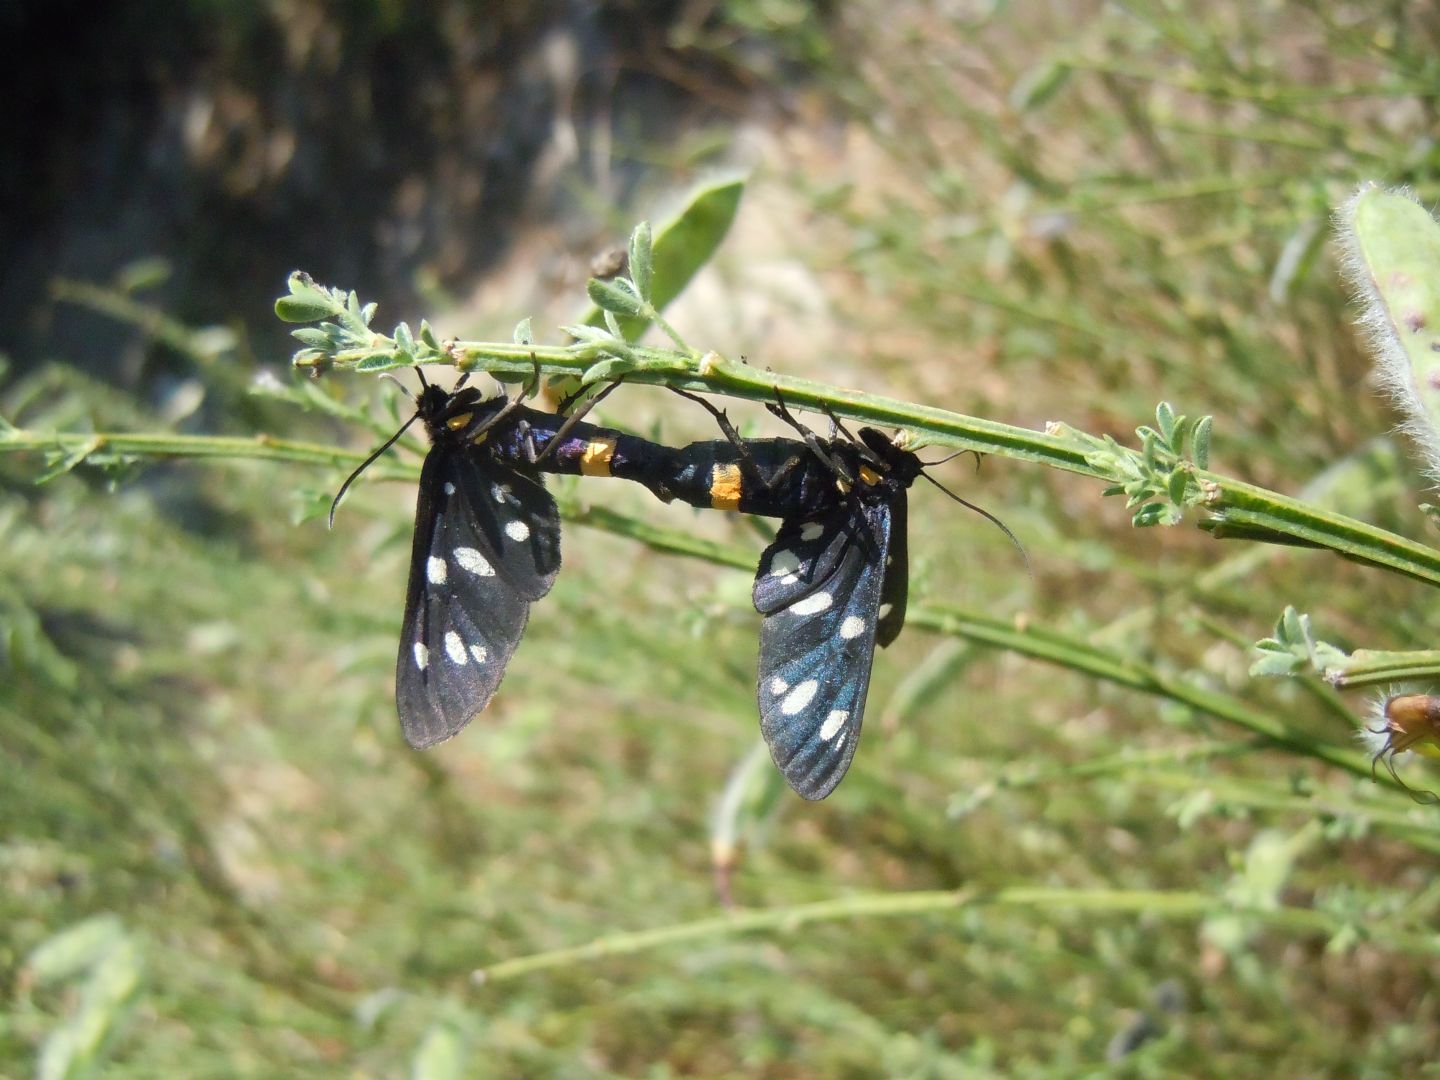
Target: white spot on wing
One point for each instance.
(499, 491)
(811, 530)
(422, 656)
(789, 579)
(852, 627)
(812, 604)
(517, 531)
(435, 570)
(784, 564)
(455, 648)
(833, 723)
(798, 698)
(479, 652)
(885, 609)
(472, 560)
(778, 686)
(449, 488)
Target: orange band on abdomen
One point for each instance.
(595, 458)
(725, 487)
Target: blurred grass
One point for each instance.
(194, 693)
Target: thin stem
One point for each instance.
(1234, 505)
(1148, 903)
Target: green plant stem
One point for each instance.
(1043, 644)
(1234, 504)
(77, 447)
(1374, 667)
(1149, 904)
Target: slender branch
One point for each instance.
(1235, 508)
(117, 445)
(1151, 904)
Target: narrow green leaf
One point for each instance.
(1165, 418)
(307, 301)
(404, 341)
(607, 371)
(1175, 485)
(523, 334)
(682, 245)
(1200, 442)
(382, 361)
(616, 297)
(641, 259)
(313, 336)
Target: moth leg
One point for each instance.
(834, 464)
(748, 468)
(572, 419)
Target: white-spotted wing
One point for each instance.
(487, 543)
(819, 588)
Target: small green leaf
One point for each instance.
(303, 309)
(427, 335)
(607, 371)
(313, 336)
(641, 257)
(404, 342)
(1148, 515)
(1175, 485)
(595, 335)
(1200, 442)
(307, 301)
(1165, 417)
(617, 297)
(382, 361)
(523, 334)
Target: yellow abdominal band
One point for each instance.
(595, 458)
(725, 487)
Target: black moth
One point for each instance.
(831, 587)
(486, 545)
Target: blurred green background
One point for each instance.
(218, 857)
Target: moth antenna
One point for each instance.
(988, 516)
(335, 503)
